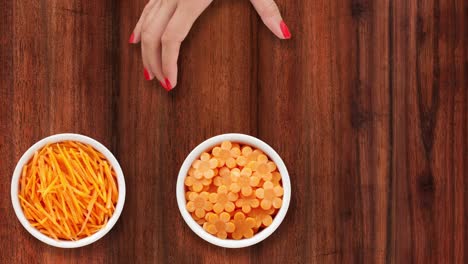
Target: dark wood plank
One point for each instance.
(337, 112)
(286, 99)
(430, 130)
(56, 77)
(9, 221)
(216, 93)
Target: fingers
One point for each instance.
(152, 31)
(175, 32)
(135, 37)
(269, 12)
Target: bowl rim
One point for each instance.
(243, 139)
(60, 138)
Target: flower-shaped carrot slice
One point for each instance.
(228, 180)
(246, 151)
(235, 150)
(262, 217)
(199, 204)
(200, 221)
(247, 155)
(224, 177)
(204, 167)
(243, 226)
(250, 154)
(219, 225)
(244, 182)
(270, 195)
(226, 155)
(262, 167)
(241, 161)
(187, 194)
(247, 203)
(195, 184)
(223, 200)
(275, 178)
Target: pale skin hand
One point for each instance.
(164, 24)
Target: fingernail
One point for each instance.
(147, 74)
(163, 85)
(168, 86)
(132, 38)
(285, 30)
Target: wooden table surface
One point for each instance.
(366, 104)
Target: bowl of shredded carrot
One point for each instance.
(68, 190)
(233, 190)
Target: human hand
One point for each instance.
(164, 24)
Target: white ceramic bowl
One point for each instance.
(30, 153)
(242, 139)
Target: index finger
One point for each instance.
(176, 31)
(271, 17)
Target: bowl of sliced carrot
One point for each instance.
(68, 190)
(233, 190)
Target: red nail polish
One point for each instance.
(147, 75)
(285, 30)
(132, 38)
(168, 85)
(163, 85)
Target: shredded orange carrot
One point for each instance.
(68, 190)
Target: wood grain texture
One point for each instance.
(367, 105)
